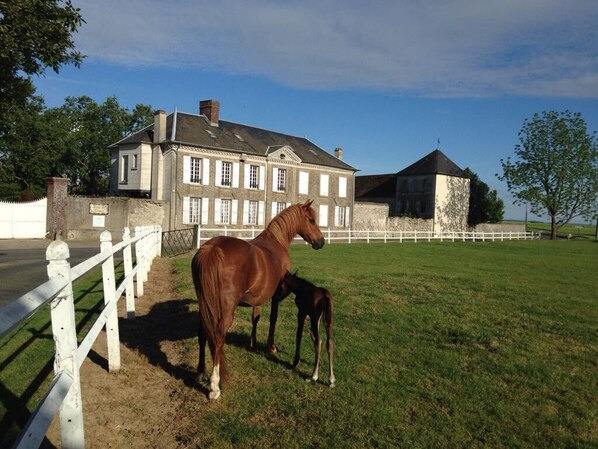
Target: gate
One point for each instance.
(23, 220)
(177, 242)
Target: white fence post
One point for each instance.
(108, 276)
(64, 330)
(139, 277)
(128, 265)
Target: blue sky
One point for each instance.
(384, 80)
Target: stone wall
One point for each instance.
(88, 217)
(374, 217)
(500, 227)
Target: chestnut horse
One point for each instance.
(228, 272)
(315, 302)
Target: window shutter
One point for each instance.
(260, 214)
(218, 181)
(262, 177)
(205, 165)
(324, 185)
(323, 221)
(204, 210)
(186, 169)
(342, 187)
(275, 179)
(303, 182)
(233, 218)
(273, 210)
(217, 209)
(235, 175)
(348, 216)
(336, 216)
(246, 211)
(186, 209)
(246, 176)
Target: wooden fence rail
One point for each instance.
(201, 235)
(64, 394)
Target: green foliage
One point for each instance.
(69, 141)
(556, 170)
(484, 204)
(34, 35)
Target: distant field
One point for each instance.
(447, 345)
(577, 231)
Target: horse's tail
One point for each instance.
(208, 287)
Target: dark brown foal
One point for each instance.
(315, 302)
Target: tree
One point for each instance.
(557, 168)
(484, 204)
(69, 141)
(34, 35)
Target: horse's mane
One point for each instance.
(283, 227)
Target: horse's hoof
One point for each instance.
(272, 349)
(332, 384)
(214, 395)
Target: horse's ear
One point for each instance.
(307, 204)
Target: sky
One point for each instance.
(387, 81)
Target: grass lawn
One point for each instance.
(447, 345)
(577, 231)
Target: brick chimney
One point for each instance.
(338, 153)
(159, 126)
(210, 109)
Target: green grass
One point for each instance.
(27, 356)
(438, 345)
(577, 231)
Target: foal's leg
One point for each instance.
(300, 322)
(315, 336)
(255, 317)
(330, 349)
(270, 346)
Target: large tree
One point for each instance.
(34, 35)
(556, 170)
(484, 204)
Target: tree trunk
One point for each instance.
(552, 227)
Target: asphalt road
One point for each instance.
(23, 264)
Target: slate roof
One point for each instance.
(435, 163)
(375, 186)
(195, 130)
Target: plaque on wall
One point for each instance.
(99, 221)
(98, 209)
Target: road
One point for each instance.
(23, 264)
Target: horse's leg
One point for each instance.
(201, 367)
(218, 353)
(330, 349)
(255, 317)
(271, 347)
(315, 336)
(300, 323)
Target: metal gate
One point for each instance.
(177, 242)
(23, 220)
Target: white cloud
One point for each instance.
(429, 48)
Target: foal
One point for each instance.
(314, 302)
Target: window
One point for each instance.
(252, 212)
(279, 180)
(124, 169)
(225, 179)
(341, 216)
(195, 171)
(225, 211)
(422, 207)
(134, 166)
(194, 210)
(342, 187)
(323, 217)
(254, 171)
(324, 185)
(280, 206)
(303, 182)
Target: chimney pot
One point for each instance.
(338, 152)
(211, 110)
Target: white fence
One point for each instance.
(23, 220)
(366, 236)
(64, 394)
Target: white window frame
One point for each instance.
(201, 171)
(253, 213)
(225, 211)
(221, 174)
(188, 206)
(279, 179)
(341, 216)
(259, 177)
(124, 169)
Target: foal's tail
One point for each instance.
(328, 310)
(208, 287)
